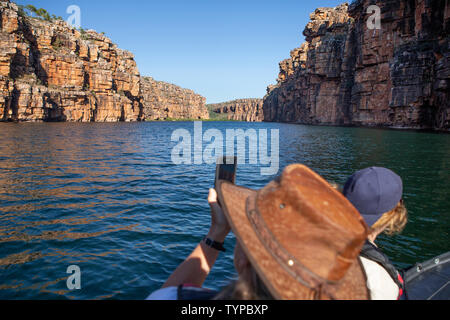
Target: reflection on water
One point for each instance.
(106, 197)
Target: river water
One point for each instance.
(108, 198)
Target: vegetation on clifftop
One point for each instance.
(32, 11)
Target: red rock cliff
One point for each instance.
(163, 100)
(347, 74)
(52, 72)
(249, 110)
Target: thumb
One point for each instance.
(212, 198)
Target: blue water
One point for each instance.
(108, 198)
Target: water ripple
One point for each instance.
(107, 197)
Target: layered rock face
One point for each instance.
(163, 100)
(249, 110)
(52, 72)
(348, 74)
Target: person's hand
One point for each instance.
(219, 223)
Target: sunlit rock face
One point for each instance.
(249, 110)
(163, 101)
(348, 74)
(52, 72)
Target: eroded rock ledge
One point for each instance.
(52, 72)
(347, 74)
(249, 110)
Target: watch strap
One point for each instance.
(214, 244)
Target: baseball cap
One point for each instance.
(374, 191)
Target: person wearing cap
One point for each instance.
(377, 193)
(297, 239)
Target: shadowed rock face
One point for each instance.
(52, 72)
(249, 110)
(347, 74)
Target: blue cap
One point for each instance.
(374, 191)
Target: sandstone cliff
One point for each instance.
(249, 110)
(347, 74)
(52, 72)
(163, 100)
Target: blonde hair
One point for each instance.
(393, 222)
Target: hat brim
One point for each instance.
(277, 280)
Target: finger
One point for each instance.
(212, 198)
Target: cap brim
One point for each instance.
(277, 280)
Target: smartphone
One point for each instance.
(226, 170)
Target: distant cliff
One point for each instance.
(249, 110)
(347, 74)
(163, 100)
(52, 72)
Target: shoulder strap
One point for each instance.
(371, 252)
(195, 294)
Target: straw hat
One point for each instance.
(302, 236)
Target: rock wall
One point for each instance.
(249, 110)
(52, 72)
(163, 100)
(347, 74)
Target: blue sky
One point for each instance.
(223, 50)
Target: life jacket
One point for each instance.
(373, 253)
(190, 293)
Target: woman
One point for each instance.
(187, 280)
(377, 194)
(297, 239)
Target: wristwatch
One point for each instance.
(214, 244)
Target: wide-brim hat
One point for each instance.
(301, 236)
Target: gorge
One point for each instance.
(50, 71)
(347, 74)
